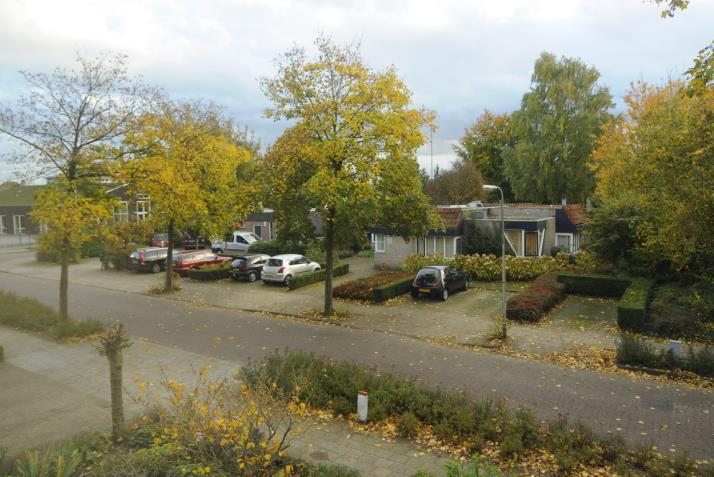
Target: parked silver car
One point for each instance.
(281, 268)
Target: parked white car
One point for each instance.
(281, 268)
(239, 241)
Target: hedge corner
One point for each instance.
(305, 279)
(632, 307)
(392, 290)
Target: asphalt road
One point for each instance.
(667, 416)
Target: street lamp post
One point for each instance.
(503, 263)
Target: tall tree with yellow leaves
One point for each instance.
(192, 172)
(356, 134)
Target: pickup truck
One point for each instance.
(239, 241)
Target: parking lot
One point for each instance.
(465, 315)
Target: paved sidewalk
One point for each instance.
(52, 391)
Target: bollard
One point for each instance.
(362, 405)
(675, 347)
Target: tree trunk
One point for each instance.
(169, 282)
(64, 282)
(115, 383)
(330, 254)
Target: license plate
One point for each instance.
(424, 290)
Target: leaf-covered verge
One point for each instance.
(31, 315)
(512, 438)
(214, 428)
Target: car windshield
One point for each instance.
(275, 262)
(178, 257)
(238, 262)
(429, 273)
(160, 237)
(135, 254)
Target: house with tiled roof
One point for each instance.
(531, 230)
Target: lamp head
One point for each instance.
(490, 187)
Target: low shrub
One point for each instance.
(681, 311)
(365, 253)
(488, 267)
(361, 289)
(632, 307)
(70, 328)
(638, 352)
(393, 289)
(594, 284)
(453, 416)
(210, 273)
(407, 425)
(275, 247)
(537, 299)
(29, 314)
(304, 279)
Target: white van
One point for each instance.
(239, 241)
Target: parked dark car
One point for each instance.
(148, 259)
(160, 240)
(183, 262)
(248, 267)
(439, 281)
(191, 242)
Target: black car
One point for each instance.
(439, 281)
(148, 259)
(193, 242)
(248, 267)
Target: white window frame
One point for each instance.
(121, 214)
(17, 220)
(3, 229)
(380, 242)
(571, 241)
(145, 209)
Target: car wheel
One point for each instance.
(466, 285)
(316, 269)
(415, 294)
(252, 276)
(444, 294)
(287, 280)
(155, 268)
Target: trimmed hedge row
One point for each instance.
(551, 288)
(304, 279)
(537, 299)
(362, 288)
(632, 307)
(210, 273)
(390, 290)
(274, 247)
(593, 284)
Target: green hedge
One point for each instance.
(274, 247)
(632, 307)
(393, 289)
(595, 285)
(304, 279)
(632, 350)
(210, 273)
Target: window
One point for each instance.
(378, 242)
(17, 224)
(515, 239)
(258, 230)
(121, 213)
(3, 228)
(531, 244)
(143, 207)
(564, 242)
(240, 239)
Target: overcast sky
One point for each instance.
(458, 57)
